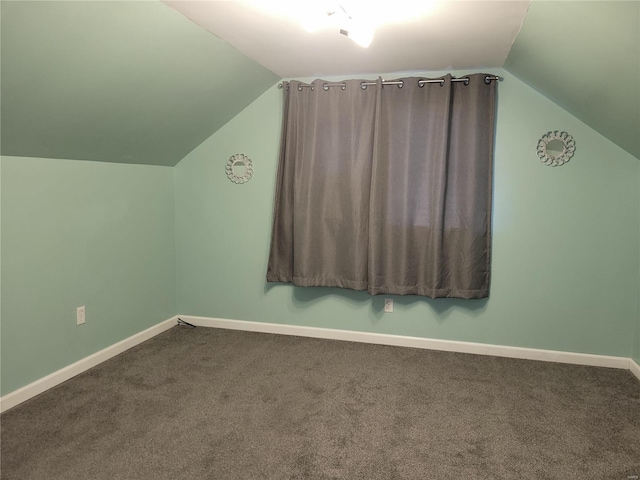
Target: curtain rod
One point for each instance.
(487, 79)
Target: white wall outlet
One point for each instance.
(80, 315)
(388, 305)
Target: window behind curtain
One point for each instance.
(386, 189)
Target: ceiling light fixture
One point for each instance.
(362, 37)
(358, 31)
(357, 19)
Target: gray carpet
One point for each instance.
(219, 404)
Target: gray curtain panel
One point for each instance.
(386, 188)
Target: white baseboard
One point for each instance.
(415, 342)
(29, 391)
(634, 368)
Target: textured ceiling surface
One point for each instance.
(131, 82)
(585, 56)
(145, 82)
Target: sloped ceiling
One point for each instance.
(131, 82)
(585, 56)
(145, 82)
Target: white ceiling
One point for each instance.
(454, 35)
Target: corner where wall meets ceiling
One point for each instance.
(128, 82)
(139, 82)
(585, 56)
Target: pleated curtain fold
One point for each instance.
(386, 188)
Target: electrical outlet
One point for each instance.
(80, 315)
(388, 305)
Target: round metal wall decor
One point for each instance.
(239, 168)
(556, 148)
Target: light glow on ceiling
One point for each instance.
(357, 17)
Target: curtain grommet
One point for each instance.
(363, 86)
(325, 87)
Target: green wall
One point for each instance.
(565, 246)
(636, 350)
(611, 30)
(81, 233)
(124, 81)
(137, 244)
